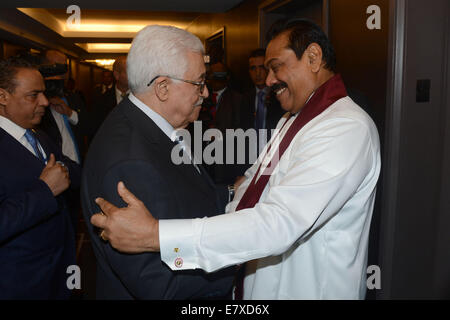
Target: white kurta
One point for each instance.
(309, 231)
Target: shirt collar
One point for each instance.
(162, 123)
(263, 89)
(220, 91)
(16, 131)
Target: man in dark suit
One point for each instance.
(221, 110)
(260, 109)
(37, 243)
(110, 97)
(61, 120)
(135, 145)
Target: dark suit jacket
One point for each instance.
(273, 115)
(37, 243)
(228, 114)
(130, 147)
(102, 105)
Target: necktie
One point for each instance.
(259, 117)
(31, 138)
(69, 129)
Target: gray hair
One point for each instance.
(159, 50)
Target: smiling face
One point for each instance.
(26, 105)
(293, 80)
(184, 100)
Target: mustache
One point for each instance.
(277, 86)
(199, 102)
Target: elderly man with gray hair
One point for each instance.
(166, 75)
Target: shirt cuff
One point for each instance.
(73, 119)
(177, 239)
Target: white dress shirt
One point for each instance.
(307, 237)
(68, 145)
(218, 97)
(164, 125)
(18, 133)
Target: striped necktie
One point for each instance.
(31, 138)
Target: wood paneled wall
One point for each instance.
(241, 35)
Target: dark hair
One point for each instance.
(260, 52)
(302, 33)
(8, 72)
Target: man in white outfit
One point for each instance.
(303, 222)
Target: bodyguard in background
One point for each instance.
(36, 238)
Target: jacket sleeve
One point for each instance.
(144, 275)
(20, 211)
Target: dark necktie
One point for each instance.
(31, 138)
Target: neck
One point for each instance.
(323, 77)
(152, 102)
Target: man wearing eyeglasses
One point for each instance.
(166, 75)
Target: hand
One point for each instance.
(131, 229)
(60, 106)
(56, 176)
(238, 182)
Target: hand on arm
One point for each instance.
(131, 229)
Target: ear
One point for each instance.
(314, 55)
(4, 97)
(161, 88)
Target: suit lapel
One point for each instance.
(154, 135)
(22, 156)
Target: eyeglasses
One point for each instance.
(200, 85)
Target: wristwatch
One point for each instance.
(230, 192)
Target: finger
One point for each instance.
(105, 206)
(126, 194)
(51, 160)
(99, 220)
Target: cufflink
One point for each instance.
(178, 262)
